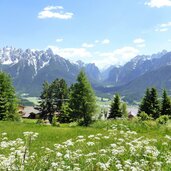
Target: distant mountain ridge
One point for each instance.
(137, 67)
(141, 72)
(30, 68)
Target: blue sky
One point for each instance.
(101, 31)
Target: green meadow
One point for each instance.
(104, 145)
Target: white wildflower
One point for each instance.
(91, 136)
(90, 143)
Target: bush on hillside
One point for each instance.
(163, 119)
(73, 124)
(54, 121)
(144, 116)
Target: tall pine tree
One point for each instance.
(115, 109)
(165, 104)
(52, 98)
(59, 93)
(145, 103)
(82, 100)
(150, 103)
(8, 99)
(154, 103)
(45, 106)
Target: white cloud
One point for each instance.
(59, 40)
(105, 41)
(117, 57)
(90, 45)
(101, 59)
(71, 53)
(158, 3)
(163, 27)
(166, 25)
(139, 41)
(55, 12)
(96, 41)
(141, 45)
(87, 45)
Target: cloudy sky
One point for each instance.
(101, 31)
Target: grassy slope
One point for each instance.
(50, 135)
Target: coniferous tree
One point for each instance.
(45, 106)
(165, 104)
(8, 99)
(52, 98)
(115, 109)
(82, 100)
(150, 103)
(64, 116)
(145, 103)
(154, 104)
(59, 93)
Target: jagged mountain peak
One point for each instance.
(49, 52)
(30, 68)
(11, 56)
(138, 66)
(139, 58)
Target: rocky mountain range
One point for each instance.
(137, 67)
(141, 72)
(30, 68)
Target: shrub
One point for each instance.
(54, 120)
(40, 122)
(144, 116)
(73, 124)
(46, 122)
(163, 119)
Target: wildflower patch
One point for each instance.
(118, 149)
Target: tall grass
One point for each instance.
(105, 145)
(48, 135)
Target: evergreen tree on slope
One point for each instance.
(145, 103)
(115, 109)
(166, 104)
(52, 98)
(150, 103)
(82, 100)
(154, 104)
(8, 99)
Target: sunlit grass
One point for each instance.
(105, 145)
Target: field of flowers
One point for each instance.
(115, 147)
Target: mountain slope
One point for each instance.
(134, 90)
(29, 69)
(137, 67)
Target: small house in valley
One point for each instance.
(28, 112)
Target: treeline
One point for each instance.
(58, 102)
(150, 106)
(77, 103)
